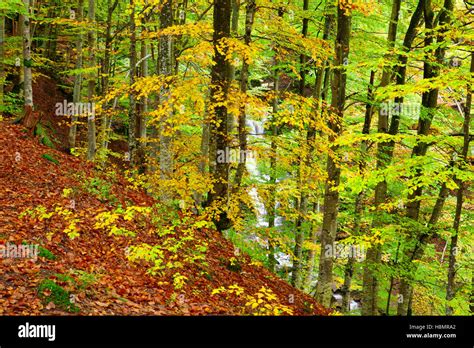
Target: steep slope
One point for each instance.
(47, 197)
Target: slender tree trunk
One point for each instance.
(271, 209)
(91, 39)
(321, 76)
(165, 68)
(451, 287)
(242, 124)
(27, 61)
(349, 268)
(76, 98)
(392, 278)
(198, 197)
(370, 283)
(140, 131)
(30, 118)
(309, 267)
(218, 126)
(429, 103)
(234, 30)
(303, 58)
(106, 122)
(273, 176)
(331, 195)
(132, 113)
(384, 156)
(144, 105)
(108, 46)
(296, 276)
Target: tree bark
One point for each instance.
(242, 124)
(27, 61)
(165, 68)
(451, 286)
(132, 113)
(385, 155)
(322, 74)
(331, 195)
(429, 103)
(76, 98)
(296, 277)
(349, 268)
(91, 38)
(271, 209)
(220, 84)
(106, 68)
(234, 30)
(142, 107)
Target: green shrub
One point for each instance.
(49, 291)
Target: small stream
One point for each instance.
(284, 261)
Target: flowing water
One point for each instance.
(257, 130)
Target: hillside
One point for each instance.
(93, 267)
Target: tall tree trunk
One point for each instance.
(108, 46)
(321, 76)
(296, 277)
(234, 31)
(30, 118)
(106, 122)
(204, 149)
(220, 84)
(165, 68)
(451, 286)
(429, 103)
(244, 80)
(349, 268)
(271, 209)
(132, 113)
(331, 195)
(76, 98)
(27, 61)
(142, 105)
(142, 124)
(385, 154)
(91, 39)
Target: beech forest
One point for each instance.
(236, 157)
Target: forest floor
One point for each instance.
(93, 267)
